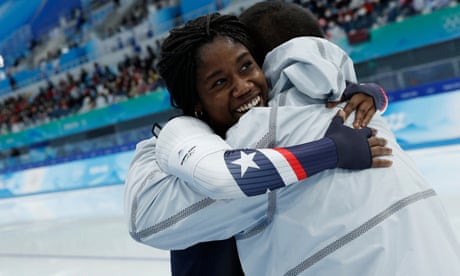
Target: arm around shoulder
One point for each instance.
(165, 212)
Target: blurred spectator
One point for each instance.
(88, 104)
(11, 79)
(89, 90)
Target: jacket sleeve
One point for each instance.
(188, 149)
(164, 212)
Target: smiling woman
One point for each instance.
(188, 49)
(229, 83)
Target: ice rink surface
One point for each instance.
(86, 236)
(83, 232)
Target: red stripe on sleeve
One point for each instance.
(384, 107)
(293, 162)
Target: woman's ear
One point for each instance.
(198, 110)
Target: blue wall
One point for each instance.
(15, 14)
(96, 172)
(193, 8)
(163, 20)
(47, 17)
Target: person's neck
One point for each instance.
(219, 130)
(221, 133)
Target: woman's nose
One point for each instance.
(242, 86)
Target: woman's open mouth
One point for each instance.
(245, 107)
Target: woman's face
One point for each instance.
(229, 83)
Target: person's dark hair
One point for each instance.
(178, 59)
(273, 23)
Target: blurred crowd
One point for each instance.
(341, 17)
(77, 94)
(136, 75)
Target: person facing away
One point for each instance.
(183, 261)
(263, 81)
(356, 211)
(289, 40)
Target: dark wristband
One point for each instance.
(371, 89)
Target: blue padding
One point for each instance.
(163, 20)
(188, 6)
(47, 15)
(5, 83)
(26, 76)
(14, 14)
(72, 56)
(15, 165)
(193, 9)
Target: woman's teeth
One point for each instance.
(245, 107)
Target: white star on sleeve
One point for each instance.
(246, 161)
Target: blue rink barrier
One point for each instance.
(87, 173)
(426, 116)
(439, 87)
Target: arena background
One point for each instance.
(68, 127)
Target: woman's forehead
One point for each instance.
(219, 46)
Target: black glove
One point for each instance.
(353, 150)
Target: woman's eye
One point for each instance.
(246, 66)
(218, 82)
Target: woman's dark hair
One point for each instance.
(271, 23)
(178, 59)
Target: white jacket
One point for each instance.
(373, 222)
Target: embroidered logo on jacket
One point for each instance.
(187, 155)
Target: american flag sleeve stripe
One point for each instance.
(257, 171)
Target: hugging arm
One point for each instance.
(365, 99)
(188, 149)
(373, 90)
(167, 213)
